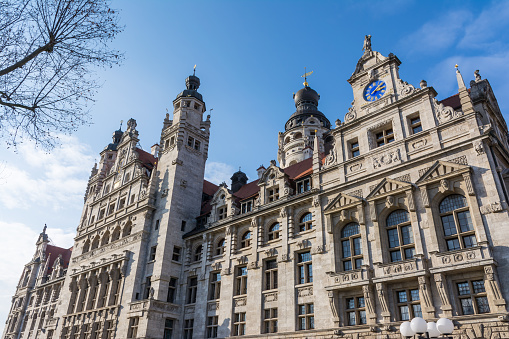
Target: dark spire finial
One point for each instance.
(44, 229)
(121, 122)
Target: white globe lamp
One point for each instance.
(445, 326)
(432, 330)
(406, 329)
(419, 325)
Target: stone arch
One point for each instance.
(116, 233)
(105, 238)
(86, 246)
(127, 229)
(95, 242)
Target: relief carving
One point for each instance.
(387, 158)
(269, 297)
(494, 207)
(444, 113)
(305, 291)
(419, 143)
(241, 301)
(350, 115)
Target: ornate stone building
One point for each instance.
(399, 211)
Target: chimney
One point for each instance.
(260, 171)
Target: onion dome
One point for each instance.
(306, 102)
(117, 136)
(192, 85)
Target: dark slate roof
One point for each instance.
(52, 252)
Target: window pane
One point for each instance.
(274, 227)
(349, 230)
(302, 309)
(360, 302)
(302, 323)
(478, 286)
(395, 256)
(311, 322)
(448, 224)
(303, 257)
(482, 304)
(347, 265)
(406, 234)
(465, 221)
(392, 235)
(417, 129)
(414, 295)
(356, 153)
(453, 244)
(415, 120)
(417, 310)
(302, 277)
(397, 217)
(452, 202)
(307, 217)
(362, 317)
(357, 247)
(466, 306)
(409, 253)
(358, 262)
(469, 241)
(463, 288)
(405, 315)
(402, 297)
(351, 318)
(346, 249)
(310, 272)
(350, 303)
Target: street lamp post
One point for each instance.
(423, 329)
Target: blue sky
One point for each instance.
(249, 57)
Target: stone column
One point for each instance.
(103, 278)
(92, 282)
(382, 300)
(333, 302)
(493, 289)
(443, 293)
(115, 279)
(426, 299)
(73, 288)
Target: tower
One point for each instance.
(296, 142)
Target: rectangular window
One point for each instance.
(304, 185)
(110, 329)
(472, 297)
(215, 285)
(197, 145)
(111, 208)
(121, 204)
(148, 284)
(172, 290)
(192, 285)
(270, 320)
(355, 311)
(241, 281)
(176, 253)
(239, 323)
(222, 213)
(246, 207)
(168, 328)
(172, 141)
(190, 141)
(384, 137)
(273, 194)
(153, 250)
(354, 149)
(133, 327)
(212, 325)
(188, 328)
(156, 227)
(304, 268)
(306, 316)
(408, 303)
(183, 226)
(415, 124)
(270, 274)
(101, 213)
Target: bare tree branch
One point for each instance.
(48, 52)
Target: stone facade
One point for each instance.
(399, 211)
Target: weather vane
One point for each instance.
(305, 76)
(121, 122)
(194, 70)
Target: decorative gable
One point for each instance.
(388, 187)
(441, 170)
(342, 201)
(271, 174)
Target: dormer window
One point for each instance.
(384, 137)
(303, 185)
(273, 194)
(222, 213)
(246, 207)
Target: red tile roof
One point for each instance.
(52, 252)
(453, 101)
(146, 158)
(248, 190)
(209, 188)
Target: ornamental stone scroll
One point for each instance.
(333, 302)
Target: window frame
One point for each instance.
(401, 248)
(241, 280)
(270, 320)
(305, 225)
(353, 257)
(473, 296)
(459, 235)
(304, 268)
(410, 302)
(239, 323)
(274, 234)
(214, 285)
(172, 290)
(273, 194)
(384, 136)
(245, 242)
(271, 275)
(303, 185)
(308, 316)
(357, 310)
(192, 289)
(413, 125)
(212, 326)
(354, 148)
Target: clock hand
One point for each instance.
(380, 86)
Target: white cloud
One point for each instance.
(217, 172)
(437, 34)
(46, 179)
(18, 248)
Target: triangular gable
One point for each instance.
(442, 169)
(342, 201)
(387, 186)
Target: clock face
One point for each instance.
(375, 90)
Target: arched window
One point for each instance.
(287, 140)
(245, 240)
(399, 236)
(457, 223)
(106, 238)
(127, 177)
(351, 247)
(95, 243)
(220, 246)
(86, 247)
(274, 231)
(116, 234)
(297, 135)
(197, 253)
(306, 222)
(127, 230)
